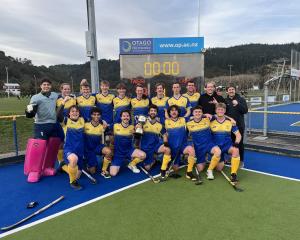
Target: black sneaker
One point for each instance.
(234, 178)
(75, 185)
(163, 175)
(190, 175)
(105, 174)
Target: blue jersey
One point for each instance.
(74, 139)
(105, 104)
(194, 98)
(120, 104)
(122, 139)
(92, 136)
(67, 105)
(182, 102)
(176, 130)
(161, 104)
(200, 132)
(140, 107)
(221, 132)
(85, 105)
(151, 136)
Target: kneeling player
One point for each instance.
(74, 147)
(177, 140)
(93, 144)
(221, 129)
(151, 142)
(199, 129)
(123, 146)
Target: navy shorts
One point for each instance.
(119, 160)
(176, 152)
(68, 152)
(202, 151)
(45, 130)
(150, 153)
(91, 156)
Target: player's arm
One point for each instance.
(238, 136)
(188, 109)
(231, 120)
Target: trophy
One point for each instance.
(141, 120)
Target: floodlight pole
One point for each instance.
(6, 68)
(91, 45)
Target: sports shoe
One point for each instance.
(105, 174)
(163, 176)
(133, 168)
(75, 185)
(190, 175)
(210, 175)
(234, 178)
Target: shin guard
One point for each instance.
(51, 156)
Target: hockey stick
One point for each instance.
(235, 187)
(34, 214)
(149, 175)
(199, 181)
(93, 180)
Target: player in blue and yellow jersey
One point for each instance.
(123, 146)
(74, 144)
(182, 102)
(85, 101)
(67, 100)
(177, 140)
(121, 102)
(104, 101)
(191, 93)
(140, 103)
(94, 145)
(160, 101)
(151, 141)
(199, 129)
(221, 129)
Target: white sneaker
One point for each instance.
(210, 175)
(134, 169)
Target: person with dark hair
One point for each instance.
(191, 93)
(140, 103)
(121, 102)
(236, 109)
(182, 102)
(210, 98)
(151, 142)
(86, 100)
(94, 145)
(123, 146)
(160, 100)
(176, 136)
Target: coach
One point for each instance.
(236, 108)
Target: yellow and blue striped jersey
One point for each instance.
(200, 131)
(122, 139)
(140, 107)
(85, 105)
(176, 130)
(193, 98)
(151, 135)
(221, 131)
(120, 104)
(92, 135)
(68, 104)
(161, 104)
(182, 102)
(105, 104)
(74, 139)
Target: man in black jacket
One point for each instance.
(236, 108)
(210, 98)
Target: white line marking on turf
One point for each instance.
(72, 208)
(295, 124)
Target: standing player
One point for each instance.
(121, 102)
(199, 129)
(151, 142)
(85, 101)
(160, 100)
(140, 103)
(93, 144)
(104, 102)
(74, 144)
(177, 140)
(182, 102)
(221, 129)
(191, 93)
(123, 146)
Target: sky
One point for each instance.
(53, 31)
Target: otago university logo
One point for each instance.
(126, 46)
